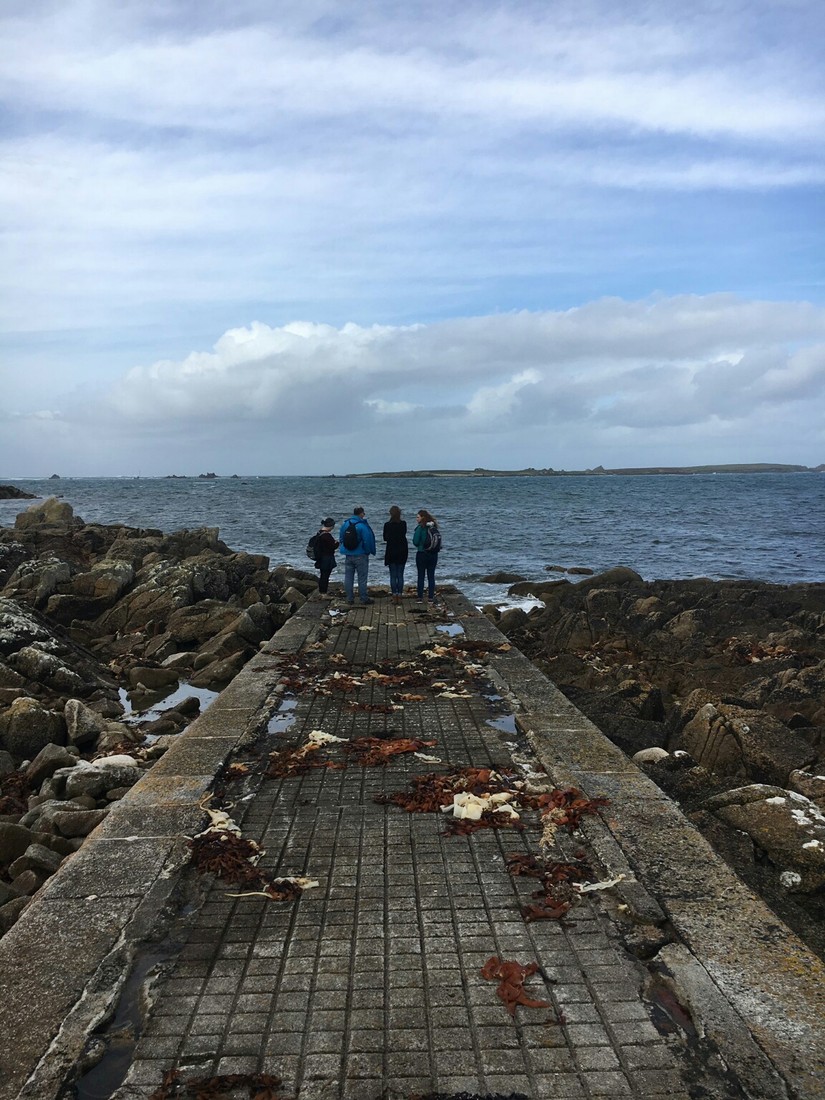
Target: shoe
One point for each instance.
(350, 602)
(365, 602)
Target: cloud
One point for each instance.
(611, 363)
(523, 211)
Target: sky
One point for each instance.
(270, 238)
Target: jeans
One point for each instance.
(426, 562)
(396, 577)
(356, 565)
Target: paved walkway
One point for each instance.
(676, 981)
(370, 984)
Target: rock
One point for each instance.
(46, 668)
(502, 578)
(95, 779)
(27, 727)
(78, 823)
(512, 619)
(83, 725)
(152, 678)
(581, 570)
(14, 840)
(11, 492)
(36, 858)
(11, 679)
(47, 762)
(736, 742)
(555, 569)
(6, 763)
(619, 574)
(28, 882)
(6, 893)
(293, 597)
(121, 760)
(541, 590)
(51, 513)
(787, 826)
(812, 786)
(654, 755)
(10, 912)
(217, 674)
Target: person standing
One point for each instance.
(395, 555)
(427, 542)
(325, 547)
(357, 544)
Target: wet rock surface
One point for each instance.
(726, 681)
(97, 623)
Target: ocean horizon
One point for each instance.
(769, 527)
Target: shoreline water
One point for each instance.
(768, 528)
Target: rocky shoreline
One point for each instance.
(717, 690)
(97, 624)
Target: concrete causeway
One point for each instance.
(674, 981)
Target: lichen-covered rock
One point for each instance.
(51, 514)
(743, 743)
(787, 826)
(27, 727)
(812, 786)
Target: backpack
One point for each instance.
(351, 539)
(312, 547)
(432, 543)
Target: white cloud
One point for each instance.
(173, 169)
(638, 366)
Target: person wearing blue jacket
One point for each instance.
(356, 558)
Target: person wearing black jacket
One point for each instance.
(326, 546)
(395, 555)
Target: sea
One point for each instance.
(766, 527)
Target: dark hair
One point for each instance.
(358, 510)
(395, 513)
(428, 517)
(328, 522)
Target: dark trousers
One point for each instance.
(426, 562)
(326, 565)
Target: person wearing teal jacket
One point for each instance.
(357, 559)
(427, 543)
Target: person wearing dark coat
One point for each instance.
(326, 546)
(395, 555)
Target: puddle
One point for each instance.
(124, 1030)
(283, 718)
(164, 702)
(505, 723)
(668, 1015)
(453, 629)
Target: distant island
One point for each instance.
(600, 471)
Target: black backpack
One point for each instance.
(432, 543)
(312, 547)
(350, 537)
